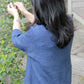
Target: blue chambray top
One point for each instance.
(46, 63)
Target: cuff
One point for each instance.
(16, 32)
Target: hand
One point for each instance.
(12, 10)
(27, 14)
(20, 6)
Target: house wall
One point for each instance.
(77, 4)
(78, 10)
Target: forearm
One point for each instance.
(16, 23)
(29, 16)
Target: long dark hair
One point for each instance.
(52, 14)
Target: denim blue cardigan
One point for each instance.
(46, 63)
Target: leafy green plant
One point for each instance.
(10, 57)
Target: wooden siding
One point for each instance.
(77, 3)
(76, 7)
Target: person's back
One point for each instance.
(47, 63)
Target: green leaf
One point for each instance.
(2, 5)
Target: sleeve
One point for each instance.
(70, 17)
(19, 39)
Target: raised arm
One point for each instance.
(19, 39)
(27, 14)
(13, 11)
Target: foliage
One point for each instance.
(9, 63)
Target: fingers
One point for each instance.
(19, 4)
(16, 7)
(10, 6)
(7, 6)
(16, 4)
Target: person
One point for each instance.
(48, 41)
